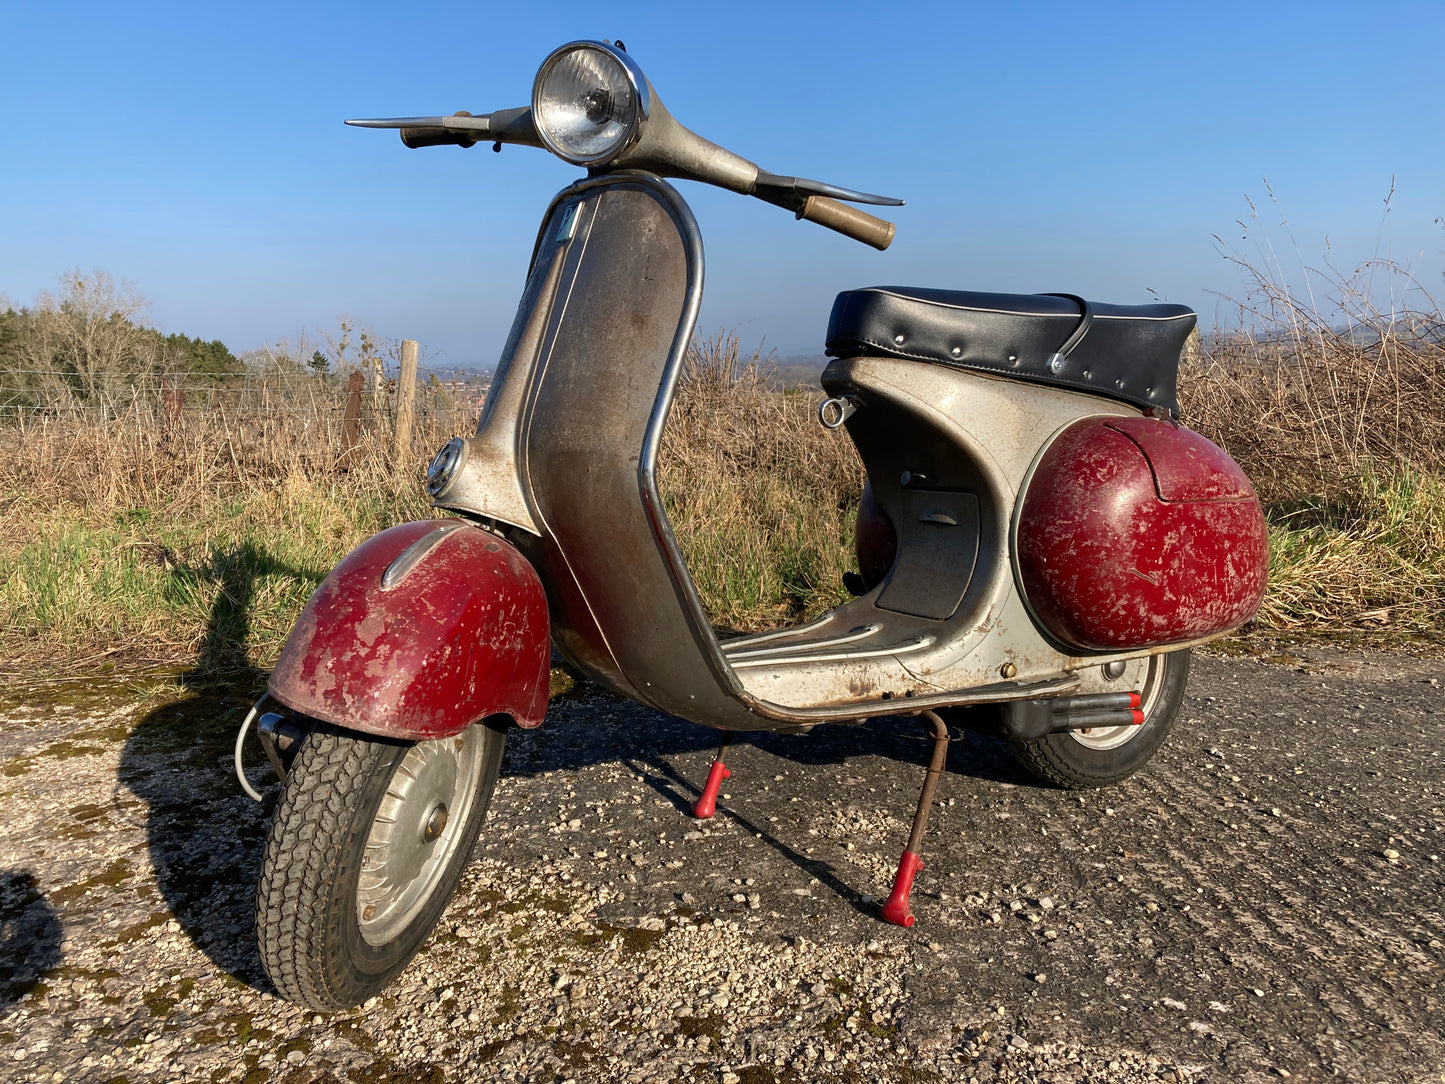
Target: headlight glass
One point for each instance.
(586, 104)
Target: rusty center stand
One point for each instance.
(896, 908)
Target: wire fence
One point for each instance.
(260, 424)
(37, 393)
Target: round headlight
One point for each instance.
(589, 102)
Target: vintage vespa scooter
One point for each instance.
(1039, 543)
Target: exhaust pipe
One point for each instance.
(1025, 720)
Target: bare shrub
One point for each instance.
(83, 347)
(1313, 402)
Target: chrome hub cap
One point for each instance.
(416, 830)
(434, 824)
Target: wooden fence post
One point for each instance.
(173, 405)
(405, 398)
(378, 389)
(1192, 349)
(351, 420)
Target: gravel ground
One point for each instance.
(1262, 903)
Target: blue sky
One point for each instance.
(197, 151)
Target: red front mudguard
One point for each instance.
(420, 631)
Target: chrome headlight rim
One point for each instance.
(641, 94)
(445, 466)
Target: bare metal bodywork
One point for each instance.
(564, 462)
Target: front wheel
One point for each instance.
(366, 849)
(1094, 758)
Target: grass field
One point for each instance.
(125, 542)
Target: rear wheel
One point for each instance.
(366, 849)
(1094, 758)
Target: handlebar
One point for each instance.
(428, 136)
(849, 221)
(670, 150)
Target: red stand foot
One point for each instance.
(707, 803)
(896, 909)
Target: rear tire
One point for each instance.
(365, 851)
(1080, 759)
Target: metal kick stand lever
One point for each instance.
(896, 909)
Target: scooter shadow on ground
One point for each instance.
(593, 726)
(672, 757)
(203, 835)
(205, 838)
(30, 935)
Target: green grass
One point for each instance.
(217, 587)
(1373, 561)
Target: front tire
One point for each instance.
(1077, 759)
(365, 850)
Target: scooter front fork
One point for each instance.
(896, 908)
(707, 802)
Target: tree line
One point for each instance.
(87, 346)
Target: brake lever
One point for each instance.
(457, 122)
(503, 126)
(792, 192)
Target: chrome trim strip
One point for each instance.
(682, 215)
(778, 634)
(410, 557)
(860, 633)
(647, 462)
(912, 705)
(838, 656)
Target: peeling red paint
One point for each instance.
(1186, 466)
(1136, 533)
(462, 636)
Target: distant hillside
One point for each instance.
(797, 371)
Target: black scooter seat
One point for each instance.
(1127, 352)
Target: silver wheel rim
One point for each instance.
(1144, 676)
(417, 830)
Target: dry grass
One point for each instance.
(761, 498)
(197, 543)
(1375, 565)
(1334, 403)
(1316, 404)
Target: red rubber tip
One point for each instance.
(1135, 700)
(1138, 717)
(707, 802)
(896, 909)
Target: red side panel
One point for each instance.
(1186, 466)
(1136, 533)
(875, 540)
(460, 636)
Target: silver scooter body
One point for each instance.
(564, 464)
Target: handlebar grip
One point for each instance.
(849, 221)
(436, 137)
